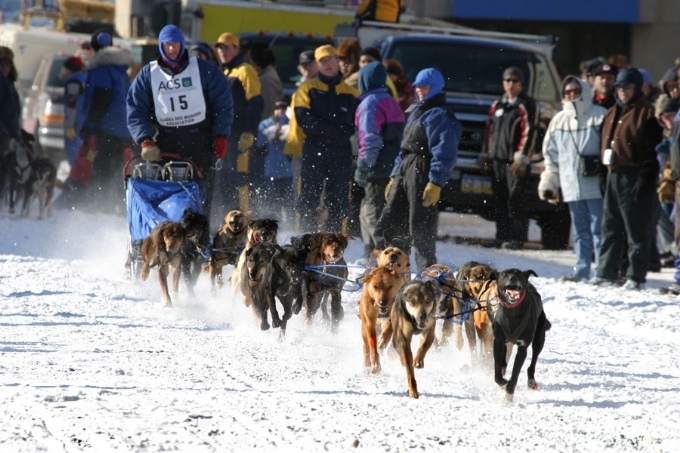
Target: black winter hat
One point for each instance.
(670, 105)
(605, 68)
(372, 52)
(629, 75)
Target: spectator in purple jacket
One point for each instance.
(380, 124)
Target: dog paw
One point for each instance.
(509, 398)
(412, 393)
(532, 384)
(264, 325)
(297, 307)
(375, 369)
(418, 363)
(501, 382)
(276, 321)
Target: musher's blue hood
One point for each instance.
(433, 78)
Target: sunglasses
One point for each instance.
(575, 91)
(511, 80)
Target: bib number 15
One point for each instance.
(181, 103)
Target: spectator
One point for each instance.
(629, 134)
(262, 58)
(10, 113)
(588, 68)
(104, 129)
(605, 75)
(203, 51)
(648, 88)
(348, 53)
(380, 124)
(232, 182)
(379, 10)
(371, 54)
(428, 154)
(324, 108)
(571, 150)
(85, 53)
(153, 122)
(278, 169)
(307, 66)
(74, 86)
(669, 83)
(395, 72)
(675, 177)
(510, 136)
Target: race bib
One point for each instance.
(178, 99)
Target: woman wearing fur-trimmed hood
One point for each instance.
(573, 133)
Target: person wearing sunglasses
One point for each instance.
(510, 141)
(630, 133)
(571, 152)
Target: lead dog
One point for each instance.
(519, 319)
(258, 230)
(162, 249)
(414, 313)
(377, 299)
(282, 280)
(477, 282)
(257, 261)
(228, 244)
(197, 232)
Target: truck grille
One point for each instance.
(472, 138)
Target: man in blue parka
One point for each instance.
(428, 154)
(181, 104)
(103, 128)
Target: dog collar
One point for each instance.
(516, 304)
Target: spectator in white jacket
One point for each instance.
(571, 150)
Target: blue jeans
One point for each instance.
(586, 218)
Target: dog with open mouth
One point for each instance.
(377, 299)
(518, 318)
(414, 313)
(228, 244)
(196, 239)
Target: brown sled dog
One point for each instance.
(162, 249)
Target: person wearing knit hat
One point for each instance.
(324, 110)
(74, 86)
(204, 51)
(181, 104)
(510, 142)
(102, 122)
(371, 54)
(428, 153)
(10, 112)
(630, 132)
(233, 180)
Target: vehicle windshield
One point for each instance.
(287, 51)
(477, 69)
(53, 79)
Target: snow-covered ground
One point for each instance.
(93, 362)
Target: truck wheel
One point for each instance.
(555, 228)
